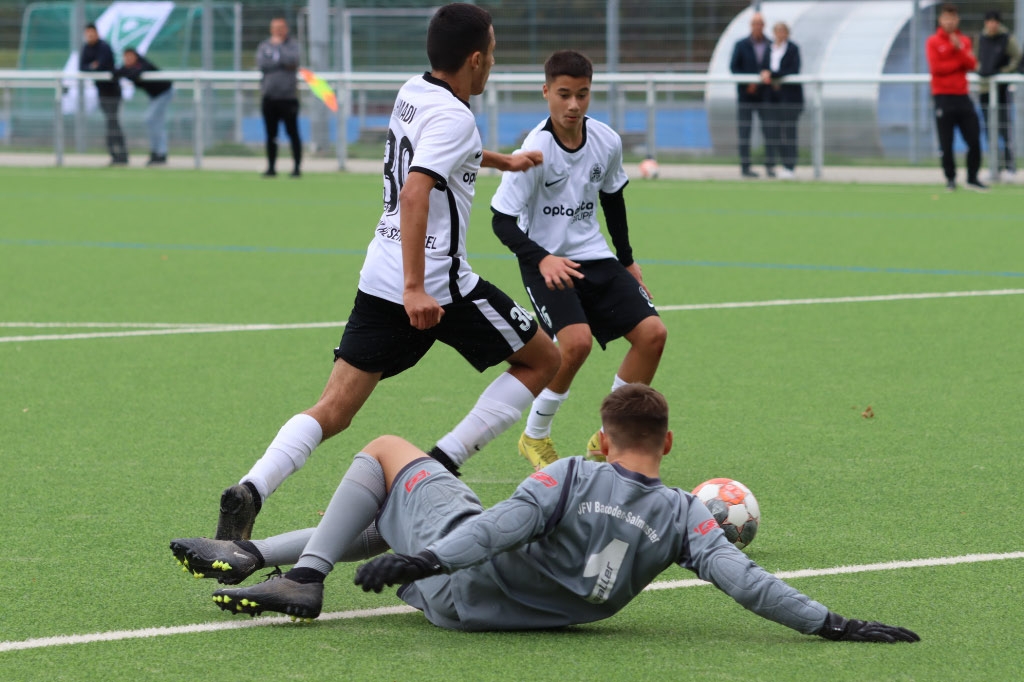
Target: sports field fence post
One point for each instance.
(341, 139)
(652, 110)
(58, 121)
(198, 120)
(818, 129)
(993, 129)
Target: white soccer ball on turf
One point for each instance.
(648, 169)
(734, 507)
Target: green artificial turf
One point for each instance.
(112, 446)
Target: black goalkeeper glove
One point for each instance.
(840, 629)
(393, 569)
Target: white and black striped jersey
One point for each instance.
(556, 202)
(579, 540)
(433, 132)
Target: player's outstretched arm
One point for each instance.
(840, 629)
(512, 162)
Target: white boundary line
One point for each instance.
(844, 299)
(117, 635)
(163, 329)
(166, 330)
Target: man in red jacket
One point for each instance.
(950, 57)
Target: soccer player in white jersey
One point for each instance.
(416, 286)
(574, 544)
(579, 288)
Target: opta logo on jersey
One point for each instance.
(581, 212)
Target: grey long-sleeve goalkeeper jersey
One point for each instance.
(579, 540)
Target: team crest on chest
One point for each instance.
(597, 172)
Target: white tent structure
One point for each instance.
(841, 38)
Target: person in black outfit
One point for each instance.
(750, 56)
(278, 58)
(998, 53)
(160, 95)
(96, 56)
(786, 101)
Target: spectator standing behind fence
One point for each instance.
(97, 57)
(950, 57)
(278, 58)
(750, 56)
(786, 102)
(998, 52)
(160, 95)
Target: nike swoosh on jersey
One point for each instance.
(479, 154)
(555, 182)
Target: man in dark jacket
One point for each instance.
(786, 101)
(160, 95)
(750, 56)
(278, 58)
(96, 56)
(998, 53)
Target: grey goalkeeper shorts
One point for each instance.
(426, 503)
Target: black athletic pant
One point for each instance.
(115, 137)
(1005, 131)
(745, 124)
(783, 143)
(957, 111)
(276, 111)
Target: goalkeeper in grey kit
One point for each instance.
(574, 544)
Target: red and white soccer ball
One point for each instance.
(648, 169)
(734, 507)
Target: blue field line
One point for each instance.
(319, 251)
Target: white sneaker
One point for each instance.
(785, 174)
(1008, 176)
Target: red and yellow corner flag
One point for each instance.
(320, 88)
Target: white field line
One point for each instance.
(163, 329)
(863, 568)
(185, 329)
(844, 299)
(117, 635)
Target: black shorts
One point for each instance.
(485, 327)
(608, 299)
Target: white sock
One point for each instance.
(538, 424)
(286, 454)
(500, 406)
(616, 383)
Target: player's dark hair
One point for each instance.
(635, 416)
(130, 49)
(91, 26)
(456, 31)
(949, 8)
(568, 63)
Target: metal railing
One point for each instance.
(348, 86)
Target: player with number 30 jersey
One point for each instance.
(415, 287)
(432, 132)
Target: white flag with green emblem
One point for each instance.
(123, 24)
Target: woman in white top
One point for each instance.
(786, 101)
